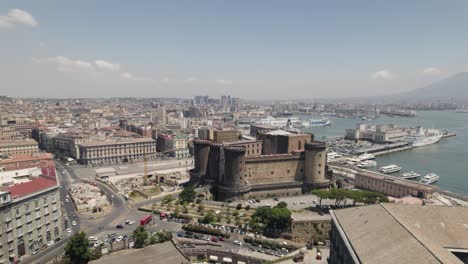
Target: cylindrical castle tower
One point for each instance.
(201, 149)
(232, 185)
(212, 174)
(315, 165)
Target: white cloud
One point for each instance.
(129, 76)
(17, 17)
(431, 71)
(66, 64)
(165, 80)
(224, 82)
(383, 74)
(105, 65)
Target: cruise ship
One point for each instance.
(430, 178)
(317, 122)
(390, 168)
(367, 164)
(410, 175)
(279, 121)
(424, 137)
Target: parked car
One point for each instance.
(50, 243)
(214, 239)
(120, 226)
(221, 238)
(74, 223)
(237, 242)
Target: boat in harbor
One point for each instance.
(390, 169)
(317, 122)
(430, 178)
(367, 164)
(278, 121)
(424, 137)
(410, 175)
(366, 156)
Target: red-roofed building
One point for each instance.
(23, 161)
(31, 187)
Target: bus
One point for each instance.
(146, 220)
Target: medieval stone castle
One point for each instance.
(278, 163)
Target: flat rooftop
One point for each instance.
(154, 254)
(403, 233)
(397, 180)
(22, 142)
(117, 142)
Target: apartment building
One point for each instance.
(173, 145)
(23, 161)
(14, 147)
(30, 216)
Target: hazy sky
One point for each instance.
(250, 49)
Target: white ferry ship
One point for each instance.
(390, 168)
(279, 121)
(367, 164)
(430, 178)
(410, 175)
(424, 137)
(317, 122)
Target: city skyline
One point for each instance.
(251, 50)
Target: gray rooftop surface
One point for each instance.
(402, 233)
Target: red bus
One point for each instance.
(146, 219)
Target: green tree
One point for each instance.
(96, 253)
(321, 194)
(168, 199)
(338, 195)
(201, 208)
(247, 207)
(282, 204)
(280, 218)
(208, 218)
(187, 195)
(177, 209)
(239, 206)
(76, 249)
(184, 209)
(140, 236)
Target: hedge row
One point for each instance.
(181, 216)
(205, 230)
(149, 210)
(270, 243)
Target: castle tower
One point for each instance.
(201, 149)
(315, 165)
(212, 174)
(232, 184)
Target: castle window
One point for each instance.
(320, 164)
(288, 171)
(271, 172)
(320, 155)
(318, 172)
(299, 145)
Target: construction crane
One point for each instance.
(145, 170)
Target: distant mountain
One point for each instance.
(453, 88)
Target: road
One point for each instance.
(90, 226)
